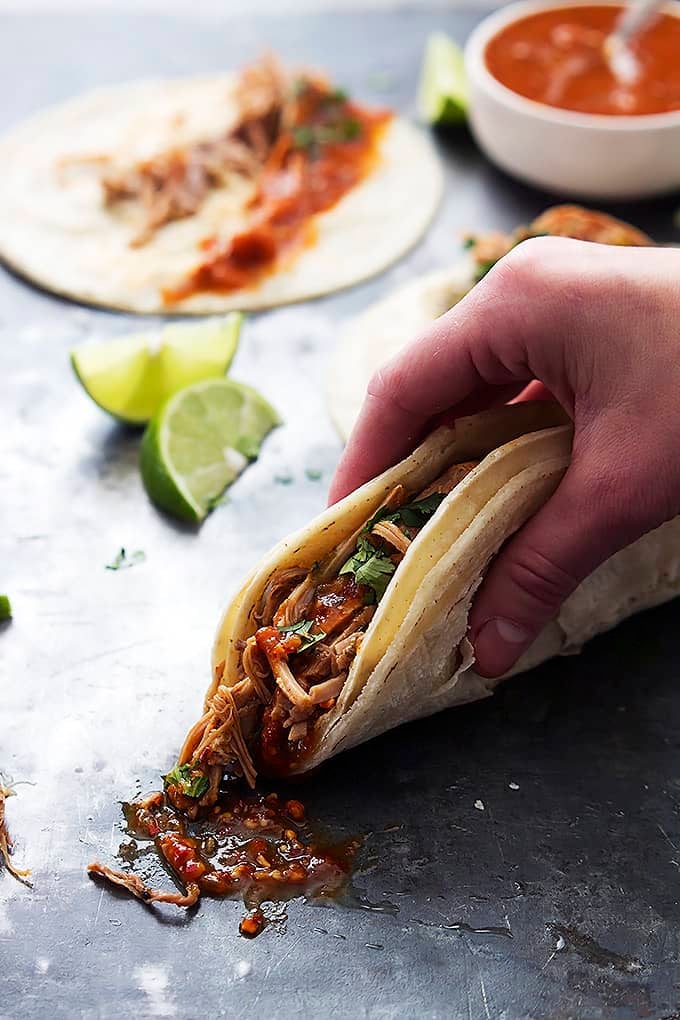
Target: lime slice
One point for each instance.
(199, 442)
(5, 608)
(132, 376)
(443, 96)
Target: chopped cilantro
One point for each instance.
(190, 781)
(370, 566)
(304, 136)
(314, 474)
(336, 96)
(413, 515)
(283, 479)
(311, 136)
(483, 268)
(469, 242)
(302, 630)
(121, 561)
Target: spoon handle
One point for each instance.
(635, 16)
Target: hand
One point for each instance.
(598, 326)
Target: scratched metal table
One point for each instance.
(558, 899)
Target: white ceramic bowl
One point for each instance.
(576, 154)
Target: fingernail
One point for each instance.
(499, 644)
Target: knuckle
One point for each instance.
(541, 584)
(387, 384)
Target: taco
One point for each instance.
(357, 623)
(213, 192)
(383, 329)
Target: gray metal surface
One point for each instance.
(101, 672)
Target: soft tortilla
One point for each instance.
(415, 658)
(524, 450)
(381, 331)
(55, 230)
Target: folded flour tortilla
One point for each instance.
(408, 654)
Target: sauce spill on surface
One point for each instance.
(556, 57)
(254, 846)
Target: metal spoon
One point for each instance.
(622, 62)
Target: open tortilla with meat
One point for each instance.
(382, 330)
(214, 192)
(358, 622)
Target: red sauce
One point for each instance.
(331, 147)
(258, 847)
(335, 602)
(556, 57)
(275, 645)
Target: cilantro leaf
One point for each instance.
(190, 781)
(370, 567)
(302, 630)
(413, 515)
(336, 96)
(121, 561)
(311, 136)
(304, 136)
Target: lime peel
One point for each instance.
(199, 443)
(131, 377)
(443, 92)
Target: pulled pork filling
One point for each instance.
(6, 845)
(311, 624)
(298, 141)
(174, 184)
(558, 221)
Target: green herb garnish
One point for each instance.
(5, 608)
(122, 561)
(412, 515)
(311, 136)
(302, 630)
(370, 566)
(314, 474)
(304, 136)
(190, 781)
(336, 96)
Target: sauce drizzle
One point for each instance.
(329, 148)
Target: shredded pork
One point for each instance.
(135, 885)
(390, 533)
(278, 587)
(174, 184)
(297, 682)
(21, 874)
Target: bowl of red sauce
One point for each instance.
(545, 106)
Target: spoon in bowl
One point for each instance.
(622, 62)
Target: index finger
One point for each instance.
(435, 373)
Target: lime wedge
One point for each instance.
(443, 96)
(199, 442)
(132, 376)
(5, 608)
